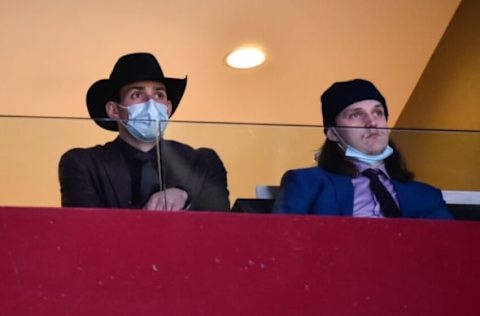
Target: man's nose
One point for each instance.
(371, 121)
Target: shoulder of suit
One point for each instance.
(317, 173)
(173, 145)
(415, 185)
(311, 170)
(94, 150)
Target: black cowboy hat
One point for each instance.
(128, 69)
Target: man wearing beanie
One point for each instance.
(360, 173)
(140, 169)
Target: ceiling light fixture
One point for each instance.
(245, 58)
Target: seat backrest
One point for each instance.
(461, 197)
(266, 191)
(253, 205)
(464, 205)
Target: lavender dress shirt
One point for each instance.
(364, 202)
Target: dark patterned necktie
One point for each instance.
(388, 207)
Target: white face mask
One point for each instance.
(146, 121)
(361, 156)
(368, 159)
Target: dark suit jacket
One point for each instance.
(316, 191)
(99, 176)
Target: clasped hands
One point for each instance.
(171, 199)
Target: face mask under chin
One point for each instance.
(368, 159)
(354, 153)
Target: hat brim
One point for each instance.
(101, 92)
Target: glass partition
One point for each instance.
(253, 154)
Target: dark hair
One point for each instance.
(115, 97)
(332, 159)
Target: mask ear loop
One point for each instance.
(341, 143)
(123, 122)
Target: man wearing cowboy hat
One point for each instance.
(359, 173)
(137, 101)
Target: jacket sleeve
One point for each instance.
(212, 192)
(420, 200)
(295, 195)
(438, 209)
(79, 186)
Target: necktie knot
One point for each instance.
(371, 173)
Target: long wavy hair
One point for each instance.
(333, 159)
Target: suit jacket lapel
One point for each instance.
(174, 165)
(344, 193)
(404, 197)
(118, 174)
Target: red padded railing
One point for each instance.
(118, 262)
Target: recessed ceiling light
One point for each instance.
(244, 58)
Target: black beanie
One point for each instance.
(342, 94)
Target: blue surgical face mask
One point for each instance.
(368, 159)
(146, 121)
(361, 156)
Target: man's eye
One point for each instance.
(136, 95)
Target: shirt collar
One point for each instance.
(361, 166)
(131, 153)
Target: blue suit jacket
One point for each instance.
(316, 191)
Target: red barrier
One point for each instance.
(117, 262)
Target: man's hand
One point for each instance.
(172, 199)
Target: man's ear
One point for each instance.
(332, 135)
(169, 108)
(112, 110)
